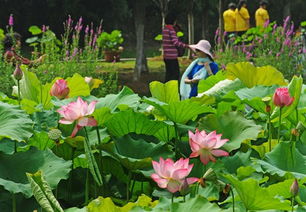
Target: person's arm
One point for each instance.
(175, 39)
(208, 69)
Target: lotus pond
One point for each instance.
(241, 146)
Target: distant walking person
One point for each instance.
(261, 14)
(242, 18)
(229, 21)
(170, 51)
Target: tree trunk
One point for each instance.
(190, 26)
(204, 22)
(141, 60)
(221, 24)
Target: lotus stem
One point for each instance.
(269, 132)
(18, 86)
(172, 198)
(14, 205)
(128, 187)
(232, 193)
(87, 187)
(280, 124)
(292, 203)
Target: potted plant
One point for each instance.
(110, 45)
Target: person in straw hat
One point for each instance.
(199, 69)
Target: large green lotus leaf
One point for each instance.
(15, 123)
(232, 163)
(208, 83)
(102, 115)
(198, 203)
(295, 89)
(233, 126)
(129, 121)
(255, 197)
(125, 97)
(284, 159)
(77, 86)
(165, 92)
(106, 204)
(180, 112)
(166, 133)
(32, 89)
(29, 85)
(136, 154)
(223, 87)
(13, 169)
(252, 76)
(257, 91)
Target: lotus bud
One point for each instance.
(89, 81)
(60, 89)
(294, 189)
(18, 73)
(268, 108)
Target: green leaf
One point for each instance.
(284, 159)
(165, 92)
(125, 97)
(295, 89)
(77, 86)
(35, 30)
(256, 91)
(208, 83)
(233, 126)
(32, 40)
(29, 85)
(252, 76)
(15, 123)
(128, 121)
(14, 179)
(130, 152)
(180, 112)
(198, 203)
(102, 115)
(256, 198)
(43, 193)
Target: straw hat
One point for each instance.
(203, 46)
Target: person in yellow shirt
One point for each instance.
(229, 21)
(242, 18)
(261, 14)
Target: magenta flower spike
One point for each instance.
(11, 20)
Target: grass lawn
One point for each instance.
(125, 70)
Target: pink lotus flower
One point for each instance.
(60, 89)
(172, 175)
(282, 97)
(206, 146)
(78, 111)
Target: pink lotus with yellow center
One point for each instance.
(172, 175)
(206, 146)
(78, 111)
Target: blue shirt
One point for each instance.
(194, 86)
